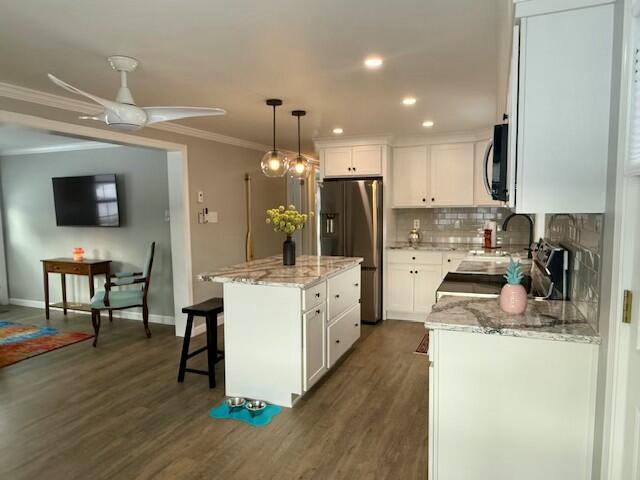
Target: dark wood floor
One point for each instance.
(117, 412)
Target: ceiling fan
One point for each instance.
(123, 113)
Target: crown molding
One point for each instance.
(69, 147)
(439, 138)
(29, 95)
(352, 141)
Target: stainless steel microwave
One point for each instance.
(496, 178)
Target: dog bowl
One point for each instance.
(235, 402)
(255, 407)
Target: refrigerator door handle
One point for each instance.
(374, 214)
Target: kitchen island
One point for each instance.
(286, 326)
(510, 396)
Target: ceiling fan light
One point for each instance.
(274, 164)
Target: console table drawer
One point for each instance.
(78, 269)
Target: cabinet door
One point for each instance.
(400, 287)
(481, 194)
(452, 261)
(452, 175)
(337, 162)
(315, 352)
(427, 279)
(367, 160)
(410, 177)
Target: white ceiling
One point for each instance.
(235, 54)
(17, 140)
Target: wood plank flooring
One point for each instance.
(117, 412)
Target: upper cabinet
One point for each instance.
(562, 108)
(410, 183)
(352, 161)
(452, 175)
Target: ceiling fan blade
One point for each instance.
(104, 102)
(165, 114)
(101, 117)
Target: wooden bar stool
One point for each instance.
(209, 310)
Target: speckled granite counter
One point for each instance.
(270, 271)
(490, 267)
(454, 247)
(548, 319)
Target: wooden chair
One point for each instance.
(122, 299)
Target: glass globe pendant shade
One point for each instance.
(274, 164)
(299, 167)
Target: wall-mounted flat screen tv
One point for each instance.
(86, 201)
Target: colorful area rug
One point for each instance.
(19, 342)
(423, 347)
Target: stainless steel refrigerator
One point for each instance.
(351, 225)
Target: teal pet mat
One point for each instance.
(242, 414)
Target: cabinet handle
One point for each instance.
(416, 271)
(354, 169)
(433, 199)
(424, 199)
(337, 341)
(318, 295)
(337, 295)
(410, 271)
(356, 284)
(355, 324)
(318, 312)
(413, 258)
(449, 260)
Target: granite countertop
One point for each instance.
(490, 267)
(547, 319)
(270, 271)
(456, 247)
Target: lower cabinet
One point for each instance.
(315, 339)
(343, 333)
(426, 280)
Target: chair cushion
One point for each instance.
(117, 299)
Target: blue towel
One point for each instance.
(242, 414)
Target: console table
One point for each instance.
(65, 266)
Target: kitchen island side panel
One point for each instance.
(263, 342)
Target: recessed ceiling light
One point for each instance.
(427, 124)
(337, 130)
(409, 101)
(373, 62)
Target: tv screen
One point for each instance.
(86, 201)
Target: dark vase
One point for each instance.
(289, 251)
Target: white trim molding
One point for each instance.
(125, 314)
(29, 95)
(69, 147)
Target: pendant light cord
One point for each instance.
(299, 137)
(274, 128)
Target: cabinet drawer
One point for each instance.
(314, 295)
(78, 269)
(414, 256)
(343, 291)
(342, 334)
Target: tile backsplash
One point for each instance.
(460, 225)
(581, 234)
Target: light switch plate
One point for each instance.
(200, 197)
(416, 224)
(212, 217)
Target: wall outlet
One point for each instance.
(200, 197)
(416, 224)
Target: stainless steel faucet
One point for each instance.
(506, 224)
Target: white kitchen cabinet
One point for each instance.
(356, 161)
(399, 287)
(426, 280)
(504, 407)
(337, 161)
(412, 278)
(410, 177)
(452, 261)
(481, 193)
(314, 330)
(563, 108)
(452, 178)
(343, 333)
(367, 160)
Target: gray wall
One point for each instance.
(30, 227)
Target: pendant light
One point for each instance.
(274, 163)
(299, 167)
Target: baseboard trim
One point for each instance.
(128, 315)
(407, 316)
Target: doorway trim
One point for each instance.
(178, 183)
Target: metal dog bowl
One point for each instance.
(255, 407)
(235, 402)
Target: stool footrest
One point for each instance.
(196, 352)
(199, 372)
